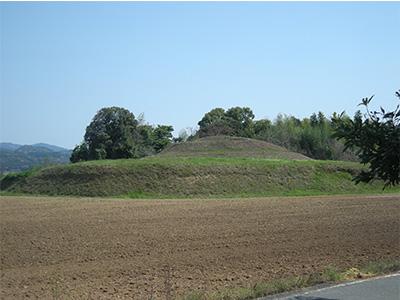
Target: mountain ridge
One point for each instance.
(15, 157)
(13, 146)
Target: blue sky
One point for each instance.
(61, 62)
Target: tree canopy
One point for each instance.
(112, 134)
(237, 121)
(214, 123)
(115, 133)
(375, 136)
(310, 136)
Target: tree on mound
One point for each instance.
(236, 121)
(115, 133)
(376, 138)
(214, 123)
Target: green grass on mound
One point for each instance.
(178, 177)
(230, 146)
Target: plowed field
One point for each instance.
(101, 249)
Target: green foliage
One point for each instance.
(115, 133)
(161, 137)
(285, 132)
(263, 128)
(213, 116)
(214, 123)
(316, 138)
(332, 274)
(154, 139)
(80, 153)
(382, 267)
(310, 136)
(146, 140)
(240, 120)
(236, 121)
(376, 139)
(112, 134)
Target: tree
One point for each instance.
(286, 132)
(240, 119)
(376, 138)
(263, 129)
(161, 137)
(214, 123)
(236, 121)
(145, 143)
(154, 139)
(115, 133)
(315, 137)
(111, 134)
(80, 153)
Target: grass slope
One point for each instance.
(228, 146)
(209, 167)
(168, 177)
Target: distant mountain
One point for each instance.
(51, 147)
(15, 157)
(9, 146)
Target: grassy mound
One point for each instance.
(163, 176)
(209, 167)
(228, 146)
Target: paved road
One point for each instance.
(385, 288)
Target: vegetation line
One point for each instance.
(149, 196)
(329, 275)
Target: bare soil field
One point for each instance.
(73, 248)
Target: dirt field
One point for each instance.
(97, 248)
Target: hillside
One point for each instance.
(14, 157)
(213, 166)
(228, 146)
(51, 147)
(158, 177)
(9, 146)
